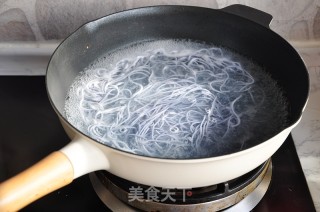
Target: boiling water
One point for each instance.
(175, 99)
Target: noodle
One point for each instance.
(168, 105)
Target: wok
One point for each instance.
(226, 27)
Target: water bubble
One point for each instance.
(174, 129)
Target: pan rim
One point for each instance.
(177, 160)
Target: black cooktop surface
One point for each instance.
(30, 130)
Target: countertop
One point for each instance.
(30, 130)
(306, 135)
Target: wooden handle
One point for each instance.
(51, 173)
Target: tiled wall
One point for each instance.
(38, 20)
